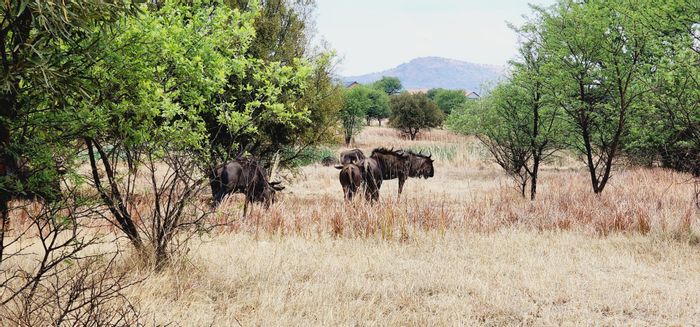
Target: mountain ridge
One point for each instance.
(437, 72)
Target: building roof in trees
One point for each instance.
(471, 94)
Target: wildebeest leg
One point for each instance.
(402, 180)
(245, 205)
(349, 193)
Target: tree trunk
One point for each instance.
(7, 163)
(380, 122)
(533, 178)
(369, 121)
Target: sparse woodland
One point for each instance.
(567, 194)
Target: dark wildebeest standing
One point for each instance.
(393, 164)
(351, 156)
(350, 179)
(245, 176)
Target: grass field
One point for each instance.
(462, 248)
(459, 249)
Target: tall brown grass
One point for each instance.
(639, 201)
(462, 248)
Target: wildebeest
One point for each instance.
(246, 176)
(393, 164)
(350, 179)
(351, 156)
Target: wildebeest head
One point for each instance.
(421, 165)
(267, 196)
(351, 156)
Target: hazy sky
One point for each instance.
(374, 35)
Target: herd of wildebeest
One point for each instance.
(357, 172)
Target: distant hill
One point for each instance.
(436, 72)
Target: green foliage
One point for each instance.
(45, 47)
(379, 106)
(447, 100)
(411, 113)
(180, 60)
(352, 115)
(389, 85)
(598, 69)
(281, 39)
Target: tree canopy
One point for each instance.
(411, 113)
(447, 100)
(390, 85)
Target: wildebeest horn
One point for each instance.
(275, 183)
(430, 155)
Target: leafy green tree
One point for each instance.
(283, 32)
(186, 62)
(390, 85)
(352, 115)
(498, 129)
(324, 98)
(667, 131)
(517, 121)
(447, 100)
(379, 108)
(45, 47)
(411, 113)
(597, 73)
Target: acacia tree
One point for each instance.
(596, 70)
(411, 113)
(497, 125)
(669, 129)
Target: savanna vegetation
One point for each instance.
(116, 115)
(610, 82)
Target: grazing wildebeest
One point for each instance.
(393, 164)
(350, 179)
(351, 156)
(247, 176)
(420, 165)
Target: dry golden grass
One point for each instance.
(511, 277)
(462, 248)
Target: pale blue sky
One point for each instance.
(374, 35)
